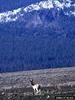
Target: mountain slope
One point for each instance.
(39, 35)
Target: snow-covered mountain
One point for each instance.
(37, 34)
(67, 6)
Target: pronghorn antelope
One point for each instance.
(36, 87)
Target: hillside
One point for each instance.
(38, 35)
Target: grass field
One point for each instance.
(47, 93)
(56, 84)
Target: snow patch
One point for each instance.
(49, 4)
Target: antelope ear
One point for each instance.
(31, 80)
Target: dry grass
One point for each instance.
(46, 94)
